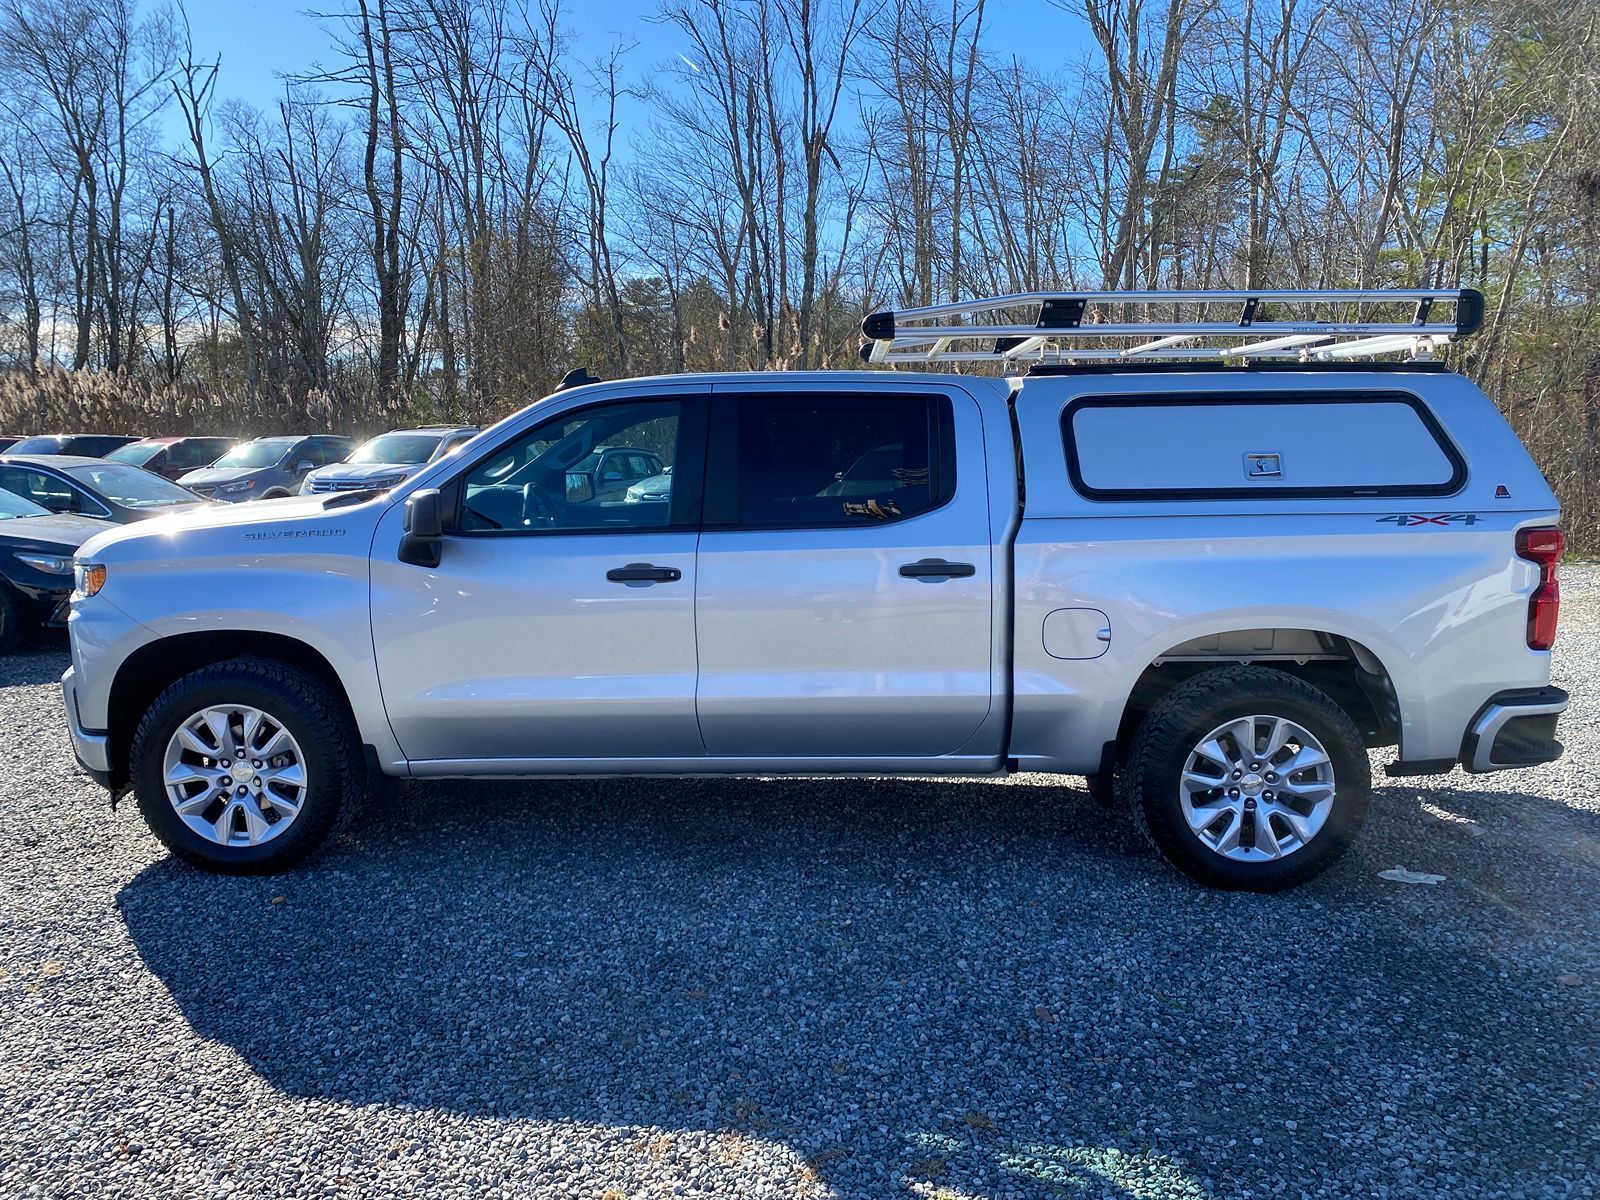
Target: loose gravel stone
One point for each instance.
(800, 988)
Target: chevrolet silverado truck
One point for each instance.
(1209, 580)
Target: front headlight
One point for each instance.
(87, 578)
(50, 564)
(242, 485)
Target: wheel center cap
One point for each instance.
(1250, 785)
(243, 772)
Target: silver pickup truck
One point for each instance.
(1210, 588)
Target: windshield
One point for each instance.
(129, 486)
(13, 505)
(135, 453)
(398, 448)
(37, 445)
(267, 452)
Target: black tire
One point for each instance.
(1176, 725)
(316, 717)
(10, 620)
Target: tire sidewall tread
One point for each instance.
(1170, 731)
(317, 719)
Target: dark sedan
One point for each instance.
(36, 549)
(88, 445)
(93, 487)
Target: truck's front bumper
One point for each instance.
(92, 749)
(1514, 729)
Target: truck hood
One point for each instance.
(265, 525)
(62, 531)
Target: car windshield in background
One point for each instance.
(399, 449)
(13, 505)
(129, 486)
(37, 445)
(135, 454)
(266, 453)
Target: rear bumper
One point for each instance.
(91, 748)
(1514, 729)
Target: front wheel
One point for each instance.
(1248, 778)
(247, 766)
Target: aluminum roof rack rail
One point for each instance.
(1067, 327)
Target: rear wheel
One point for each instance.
(248, 766)
(1248, 778)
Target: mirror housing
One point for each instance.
(301, 467)
(423, 543)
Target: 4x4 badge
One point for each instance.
(1412, 520)
(1263, 466)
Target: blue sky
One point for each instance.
(260, 40)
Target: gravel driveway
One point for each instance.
(737, 989)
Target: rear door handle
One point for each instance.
(644, 573)
(937, 568)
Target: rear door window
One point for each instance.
(1258, 444)
(835, 459)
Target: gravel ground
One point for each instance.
(952, 989)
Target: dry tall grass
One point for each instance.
(59, 401)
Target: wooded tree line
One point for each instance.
(458, 206)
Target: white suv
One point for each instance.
(1209, 588)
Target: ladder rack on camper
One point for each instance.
(1067, 327)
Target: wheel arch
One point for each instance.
(1346, 669)
(155, 666)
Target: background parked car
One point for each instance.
(389, 458)
(8, 440)
(36, 549)
(93, 487)
(172, 457)
(88, 445)
(657, 489)
(266, 468)
(607, 472)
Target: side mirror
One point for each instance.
(423, 543)
(301, 467)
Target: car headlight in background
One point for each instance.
(50, 564)
(243, 485)
(87, 578)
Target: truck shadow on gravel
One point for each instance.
(975, 986)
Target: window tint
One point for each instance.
(558, 476)
(94, 447)
(47, 491)
(808, 461)
(197, 452)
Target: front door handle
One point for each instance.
(937, 568)
(644, 573)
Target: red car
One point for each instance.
(172, 456)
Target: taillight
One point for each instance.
(1544, 547)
